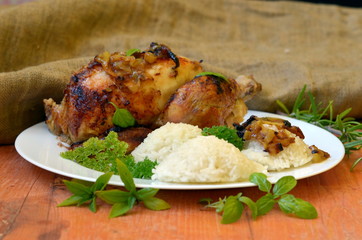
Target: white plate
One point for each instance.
(38, 146)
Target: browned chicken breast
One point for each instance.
(141, 83)
(209, 101)
(155, 86)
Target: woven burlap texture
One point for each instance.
(284, 45)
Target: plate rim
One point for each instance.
(142, 183)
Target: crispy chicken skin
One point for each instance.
(209, 100)
(141, 83)
(155, 86)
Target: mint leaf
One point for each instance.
(119, 209)
(101, 182)
(265, 204)
(83, 182)
(251, 204)
(233, 209)
(93, 205)
(126, 176)
(146, 193)
(219, 205)
(260, 179)
(83, 194)
(113, 196)
(78, 189)
(156, 204)
(72, 200)
(284, 185)
(122, 117)
(292, 205)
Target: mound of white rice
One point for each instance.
(206, 159)
(184, 155)
(164, 141)
(295, 155)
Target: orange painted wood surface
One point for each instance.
(29, 197)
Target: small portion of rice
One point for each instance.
(205, 159)
(165, 140)
(295, 155)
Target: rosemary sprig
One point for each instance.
(347, 129)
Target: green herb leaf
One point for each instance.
(218, 75)
(83, 194)
(260, 179)
(119, 209)
(284, 185)
(346, 128)
(232, 206)
(72, 200)
(292, 205)
(283, 107)
(233, 209)
(77, 188)
(265, 204)
(83, 182)
(225, 133)
(131, 201)
(146, 193)
(143, 169)
(126, 176)
(99, 154)
(251, 204)
(113, 196)
(93, 205)
(219, 205)
(101, 182)
(155, 204)
(206, 201)
(132, 51)
(355, 163)
(122, 117)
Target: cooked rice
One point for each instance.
(295, 155)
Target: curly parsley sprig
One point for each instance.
(101, 155)
(347, 129)
(225, 133)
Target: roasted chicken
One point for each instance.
(154, 85)
(205, 101)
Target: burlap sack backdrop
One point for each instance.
(283, 44)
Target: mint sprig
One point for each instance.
(121, 201)
(83, 192)
(232, 207)
(287, 202)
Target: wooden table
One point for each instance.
(29, 197)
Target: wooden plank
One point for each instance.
(29, 196)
